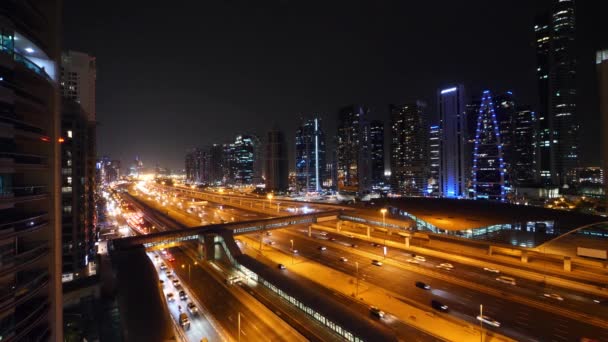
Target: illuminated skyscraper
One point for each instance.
(434, 160)
(556, 72)
(523, 151)
(488, 163)
(452, 125)
(409, 149)
(244, 157)
(310, 156)
(353, 157)
(376, 141)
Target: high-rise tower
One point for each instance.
(30, 155)
(310, 156)
(353, 155)
(488, 162)
(452, 125)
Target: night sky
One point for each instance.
(173, 75)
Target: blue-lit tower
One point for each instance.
(310, 156)
(452, 142)
(488, 162)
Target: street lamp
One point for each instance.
(292, 250)
(357, 286)
(481, 322)
(184, 266)
(270, 196)
(383, 211)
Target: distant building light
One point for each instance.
(448, 90)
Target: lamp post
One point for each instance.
(292, 250)
(480, 322)
(383, 211)
(270, 196)
(189, 273)
(357, 282)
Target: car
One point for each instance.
(322, 248)
(178, 286)
(332, 239)
(553, 296)
(175, 282)
(183, 295)
(162, 283)
(271, 243)
(377, 262)
(437, 305)
(600, 301)
(168, 272)
(281, 267)
(323, 233)
(170, 296)
(446, 266)
(171, 258)
(184, 321)
(412, 261)
(163, 251)
(354, 245)
(493, 270)
(376, 312)
(420, 258)
(192, 308)
(343, 259)
(506, 280)
(268, 233)
(375, 244)
(163, 266)
(488, 320)
(295, 251)
(422, 285)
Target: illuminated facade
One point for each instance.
(310, 156)
(244, 158)
(434, 160)
(556, 72)
(488, 162)
(452, 125)
(524, 147)
(197, 166)
(409, 149)
(376, 141)
(353, 157)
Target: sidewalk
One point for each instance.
(451, 329)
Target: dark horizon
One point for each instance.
(174, 78)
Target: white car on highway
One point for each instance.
(488, 320)
(420, 258)
(554, 296)
(446, 266)
(489, 269)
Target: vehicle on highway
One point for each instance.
(322, 248)
(271, 243)
(170, 296)
(506, 280)
(354, 245)
(600, 301)
(183, 295)
(178, 286)
(412, 261)
(175, 282)
(184, 321)
(489, 269)
(295, 251)
(169, 274)
(323, 233)
(422, 285)
(374, 244)
(163, 266)
(437, 305)
(268, 233)
(488, 320)
(281, 267)
(192, 308)
(171, 258)
(162, 283)
(163, 251)
(376, 312)
(553, 296)
(446, 266)
(343, 259)
(420, 258)
(377, 262)
(332, 239)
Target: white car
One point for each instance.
(322, 248)
(488, 320)
(376, 312)
(412, 261)
(420, 258)
(553, 296)
(493, 270)
(343, 259)
(376, 262)
(506, 280)
(192, 308)
(170, 296)
(446, 266)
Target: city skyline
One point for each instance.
(356, 80)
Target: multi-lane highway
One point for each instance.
(518, 321)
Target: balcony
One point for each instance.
(23, 290)
(23, 160)
(15, 224)
(22, 126)
(19, 194)
(14, 263)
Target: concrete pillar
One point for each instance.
(490, 250)
(567, 264)
(524, 256)
(200, 248)
(407, 242)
